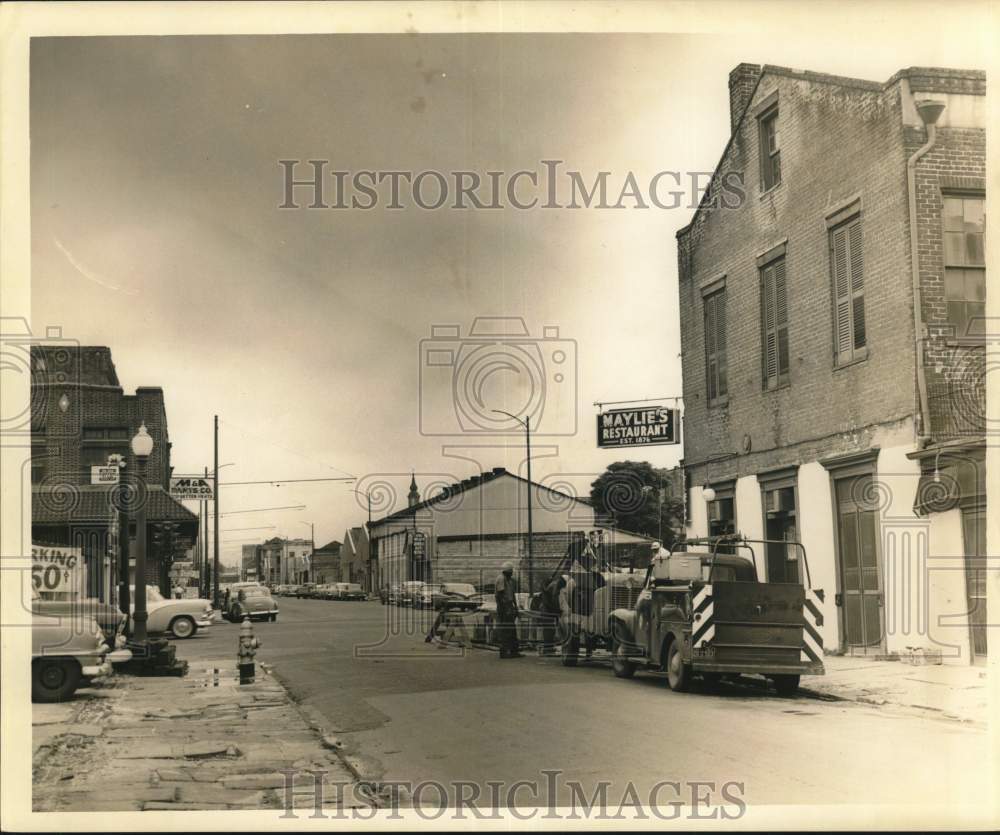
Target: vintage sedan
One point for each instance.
(109, 618)
(180, 618)
(349, 591)
(254, 602)
(64, 655)
(409, 592)
(305, 590)
(448, 596)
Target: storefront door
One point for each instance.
(860, 574)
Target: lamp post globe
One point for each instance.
(142, 443)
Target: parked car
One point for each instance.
(109, 618)
(349, 591)
(393, 596)
(305, 590)
(63, 655)
(181, 618)
(254, 602)
(324, 591)
(409, 592)
(448, 595)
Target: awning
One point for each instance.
(81, 504)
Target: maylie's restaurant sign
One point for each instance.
(638, 427)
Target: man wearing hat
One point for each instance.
(506, 596)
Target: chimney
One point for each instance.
(742, 81)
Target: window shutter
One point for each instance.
(842, 292)
(781, 317)
(770, 337)
(720, 342)
(857, 285)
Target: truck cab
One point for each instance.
(706, 612)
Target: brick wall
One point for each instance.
(58, 435)
(838, 142)
(955, 371)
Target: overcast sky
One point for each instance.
(155, 231)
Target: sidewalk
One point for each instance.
(198, 742)
(946, 691)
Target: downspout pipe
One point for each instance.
(929, 110)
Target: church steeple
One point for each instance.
(413, 497)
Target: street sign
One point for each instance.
(104, 474)
(638, 427)
(419, 545)
(57, 570)
(194, 489)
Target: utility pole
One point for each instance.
(215, 547)
(205, 576)
(527, 443)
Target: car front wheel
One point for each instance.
(54, 680)
(183, 627)
(678, 673)
(621, 666)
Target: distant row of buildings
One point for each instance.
(295, 561)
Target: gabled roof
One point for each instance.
(463, 487)
(331, 547)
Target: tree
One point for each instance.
(638, 497)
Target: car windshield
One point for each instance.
(153, 595)
(257, 592)
(459, 588)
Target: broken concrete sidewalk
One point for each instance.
(199, 742)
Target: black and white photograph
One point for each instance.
(498, 415)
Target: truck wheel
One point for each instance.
(183, 627)
(786, 685)
(678, 673)
(570, 651)
(54, 680)
(621, 666)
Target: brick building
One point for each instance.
(833, 348)
(466, 532)
(80, 416)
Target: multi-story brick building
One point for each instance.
(80, 418)
(832, 289)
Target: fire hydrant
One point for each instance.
(247, 651)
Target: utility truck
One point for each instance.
(704, 611)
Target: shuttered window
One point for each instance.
(774, 325)
(715, 345)
(847, 274)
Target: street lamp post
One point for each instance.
(142, 448)
(526, 423)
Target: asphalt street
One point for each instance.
(408, 710)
